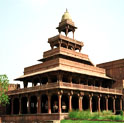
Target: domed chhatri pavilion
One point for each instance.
(65, 79)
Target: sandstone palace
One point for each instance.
(65, 80)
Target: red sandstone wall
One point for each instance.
(115, 69)
(13, 87)
(32, 118)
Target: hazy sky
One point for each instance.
(26, 25)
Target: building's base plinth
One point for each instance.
(34, 118)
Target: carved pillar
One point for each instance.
(51, 45)
(49, 79)
(60, 42)
(113, 104)
(70, 102)
(49, 104)
(59, 99)
(79, 80)
(59, 77)
(90, 102)
(98, 103)
(120, 103)
(28, 104)
(106, 103)
(66, 33)
(39, 104)
(80, 103)
(12, 99)
(80, 49)
(20, 106)
(73, 33)
(70, 79)
(25, 84)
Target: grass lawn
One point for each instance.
(86, 121)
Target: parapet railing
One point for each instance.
(91, 88)
(65, 85)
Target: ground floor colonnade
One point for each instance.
(62, 101)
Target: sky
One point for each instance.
(26, 25)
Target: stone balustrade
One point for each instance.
(64, 85)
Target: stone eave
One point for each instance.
(62, 68)
(65, 38)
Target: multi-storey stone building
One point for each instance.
(65, 80)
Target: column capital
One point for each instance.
(107, 96)
(60, 92)
(90, 95)
(114, 97)
(70, 93)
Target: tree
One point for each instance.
(4, 82)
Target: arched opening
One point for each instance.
(75, 104)
(54, 104)
(117, 104)
(110, 103)
(65, 103)
(16, 106)
(44, 104)
(94, 103)
(8, 107)
(33, 104)
(85, 102)
(102, 103)
(24, 105)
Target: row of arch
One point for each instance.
(43, 104)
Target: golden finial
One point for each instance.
(66, 10)
(66, 16)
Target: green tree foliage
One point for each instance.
(4, 82)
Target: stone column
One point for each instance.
(25, 84)
(73, 33)
(49, 79)
(80, 103)
(66, 33)
(120, 103)
(20, 106)
(70, 102)
(113, 104)
(79, 80)
(90, 102)
(39, 104)
(60, 43)
(59, 77)
(12, 99)
(70, 79)
(49, 104)
(28, 104)
(106, 103)
(98, 103)
(59, 99)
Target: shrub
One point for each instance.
(121, 113)
(106, 112)
(105, 115)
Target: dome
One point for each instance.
(66, 16)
